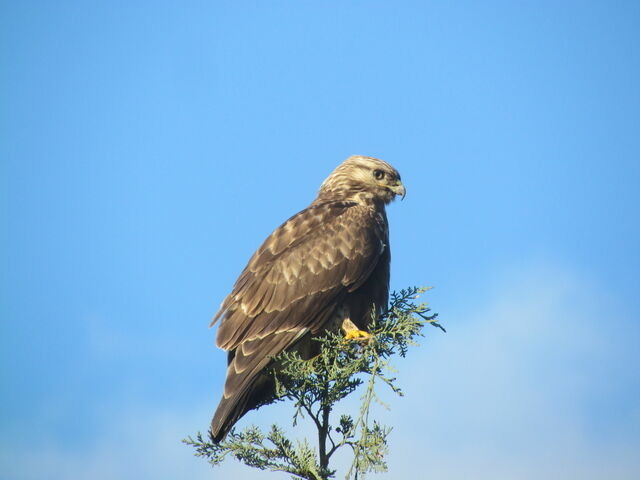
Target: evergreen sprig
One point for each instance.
(315, 386)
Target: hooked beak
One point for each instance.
(399, 189)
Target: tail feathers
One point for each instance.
(229, 411)
(232, 409)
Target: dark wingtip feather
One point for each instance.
(227, 414)
(232, 409)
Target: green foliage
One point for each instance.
(315, 386)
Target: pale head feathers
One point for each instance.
(363, 180)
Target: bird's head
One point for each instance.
(363, 179)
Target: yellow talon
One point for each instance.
(357, 335)
(351, 332)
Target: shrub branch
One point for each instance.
(315, 386)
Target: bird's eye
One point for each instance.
(379, 174)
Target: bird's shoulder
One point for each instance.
(326, 224)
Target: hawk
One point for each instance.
(325, 268)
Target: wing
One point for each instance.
(302, 268)
(290, 288)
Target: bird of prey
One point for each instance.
(326, 268)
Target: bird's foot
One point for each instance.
(351, 332)
(357, 335)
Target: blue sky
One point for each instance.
(146, 149)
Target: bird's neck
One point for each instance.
(363, 197)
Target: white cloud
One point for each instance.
(142, 444)
(521, 388)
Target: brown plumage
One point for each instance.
(324, 265)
